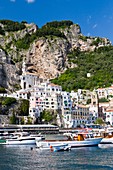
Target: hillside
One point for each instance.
(97, 64)
(56, 49)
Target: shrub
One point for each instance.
(12, 26)
(2, 90)
(47, 116)
(13, 119)
(58, 24)
(7, 101)
(24, 107)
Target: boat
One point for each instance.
(24, 138)
(4, 136)
(108, 139)
(61, 147)
(106, 134)
(81, 141)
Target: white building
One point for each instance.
(34, 112)
(66, 100)
(46, 96)
(109, 116)
(105, 92)
(28, 80)
(109, 113)
(76, 116)
(80, 115)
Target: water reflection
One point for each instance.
(22, 158)
(105, 146)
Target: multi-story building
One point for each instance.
(109, 116)
(66, 100)
(81, 96)
(94, 106)
(46, 96)
(109, 113)
(80, 115)
(75, 116)
(29, 80)
(105, 92)
(34, 113)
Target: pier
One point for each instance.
(40, 128)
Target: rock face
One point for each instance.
(47, 54)
(8, 72)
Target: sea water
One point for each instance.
(85, 158)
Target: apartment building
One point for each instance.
(46, 96)
(80, 115)
(109, 113)
(105, 92)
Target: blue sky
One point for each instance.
(95, 17)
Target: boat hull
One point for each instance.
(24, 140)
(29, 141)
(72, 144)
(58, 148)
(2, 141)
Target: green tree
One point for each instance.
(47, 116)
(99, 121)
(2, 90)
(103, 100)
(98, 63)
(7, 101)
(13, 119)
(29, 121)
(22, 121)
(24, 107)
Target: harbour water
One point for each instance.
(23, 158)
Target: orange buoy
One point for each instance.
(51, 147)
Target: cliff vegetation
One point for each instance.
(57, 51)
(99, 65)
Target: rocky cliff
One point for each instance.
(47, 54)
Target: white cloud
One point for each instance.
(94, 26)
(88, 34)
(30, 1)
(13, 0)
(89, 18)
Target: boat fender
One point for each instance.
(31, 148)
(51, 148)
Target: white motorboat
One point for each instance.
(79, 142)
(61, 147)
(23, 138)
(107, 141)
